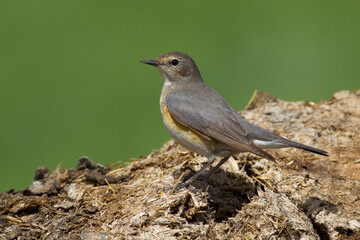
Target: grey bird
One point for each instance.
(199, 119)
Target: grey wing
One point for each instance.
(210, 116)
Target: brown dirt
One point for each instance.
(301, 196)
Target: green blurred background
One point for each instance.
(71, 83)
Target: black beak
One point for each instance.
(151, 62)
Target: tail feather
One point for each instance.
(308, 148)
(266, 139)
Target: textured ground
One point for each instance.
(301, 196)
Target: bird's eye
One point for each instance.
(174, 62)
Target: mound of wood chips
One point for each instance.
(301, 196)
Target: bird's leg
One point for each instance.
(177, 173)
(211, 159)
(217, 166)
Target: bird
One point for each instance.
(199, 119)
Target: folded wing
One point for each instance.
(210, 116)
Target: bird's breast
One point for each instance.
(183, 134)
(190, 139)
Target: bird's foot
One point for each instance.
(177, 187)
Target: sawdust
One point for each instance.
(301, 196)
